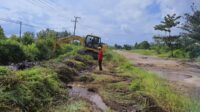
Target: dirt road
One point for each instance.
(185, 75)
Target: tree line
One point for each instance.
(184, 45)
(29, 47)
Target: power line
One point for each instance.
(47, 4)
(28, 25)
(50, 5)
(54, 5)
(20, 23)
(8, 20)
(15, 22)
(39, 3)
(75, 21)
(44, 4)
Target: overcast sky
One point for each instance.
(116, 21)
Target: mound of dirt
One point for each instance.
(66, 73)
(70, 68)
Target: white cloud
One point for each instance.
(111, 19)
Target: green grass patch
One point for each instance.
(151, 52)
(29, 90)
(4, 71)
(76, 105)
(101, 78)
(149, 84)
(180, 54)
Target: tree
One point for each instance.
(169, 22)
(10, 52)
(158, 43)
(27, 38)
(62, 34)
(118, 46)
(127, 47)
(136, 45)
(47, 34)
(2, 35)
(14, 38)
(192, 24)
(143, 45)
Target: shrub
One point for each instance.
(29, 90)
(14, 38)
(64, 48)
(193, 51)
(27, 38)
(118, 46)
(4, 70)
(45, 49)
(143, 45)
(31, 52)
(127, 47)
(180, 53)
(10, 52)
(108, 56)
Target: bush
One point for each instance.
(31, 52)
(14, 38)
(108, 56)
(64, 48)
(29, 90)
(143, 45)
(127, 47)
(27, 38)
(45, 49)
(4, 71)
(193, 51)
(10, 52)
(118, 46)
(180, 53)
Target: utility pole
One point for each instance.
(20, 30)
(75, 21)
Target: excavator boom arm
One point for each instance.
(68, 40)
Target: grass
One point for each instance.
(151, 52)
(101, 78)
(30, 89)
(39, 87)
(178, 54)
(75, 105)
(146, 83)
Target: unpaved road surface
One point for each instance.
(185, 75)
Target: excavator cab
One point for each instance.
(92, 41)
(91, 45)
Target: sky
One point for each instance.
(115, 21)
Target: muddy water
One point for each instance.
(80, 91)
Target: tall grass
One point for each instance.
(180, 54)
(151, 52)
(29, 90)
(148, 83)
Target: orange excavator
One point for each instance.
(90, 43)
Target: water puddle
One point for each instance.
(78, 90)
